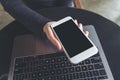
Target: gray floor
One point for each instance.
(5, 18)
(107, 8)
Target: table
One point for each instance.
(108, 33)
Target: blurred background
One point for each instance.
(107, 8)
(110, 9)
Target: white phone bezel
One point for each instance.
(80, 56)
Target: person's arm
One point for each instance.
(23, 14)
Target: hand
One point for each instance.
(50, 35)
(81, 27)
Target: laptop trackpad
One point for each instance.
(30, 45)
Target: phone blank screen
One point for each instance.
(72, 38)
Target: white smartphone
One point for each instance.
(76, 45)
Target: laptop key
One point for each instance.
(68, 64)
(69, 77)
(47, 61)
(84, 68)
(95, 73)
(46, 73)
(52, 72)
(62, 65)
(59, 71)
(65, 59)
(94, 78)
(71, 70)
(18, 71)
(50, 78)
(90, 67)
(65, 70)
(63, 77)
(44, 67)
(56, 65)
(82, 63)
(78, 69)
(75, 76)
(102, 72)
(89, 74)
(59, 59)
(82, 75)
(96, 60)
(87, 61)
(57, 77)
(33, 75)
(43, 78)
(98, 66)
(50, 66)
(53, 60)
(102, 77)
(40, 74)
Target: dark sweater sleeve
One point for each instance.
(23, 14)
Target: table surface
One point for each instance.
(108, 32)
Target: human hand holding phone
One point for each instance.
(51, 36)
(76, 45)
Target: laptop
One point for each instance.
(34, 58)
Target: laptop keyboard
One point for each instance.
(56, 66)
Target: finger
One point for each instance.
(76, 22)
(52, 38)
(56, 43)
(80, 26)
(86, 33)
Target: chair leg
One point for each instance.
(78, 4)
